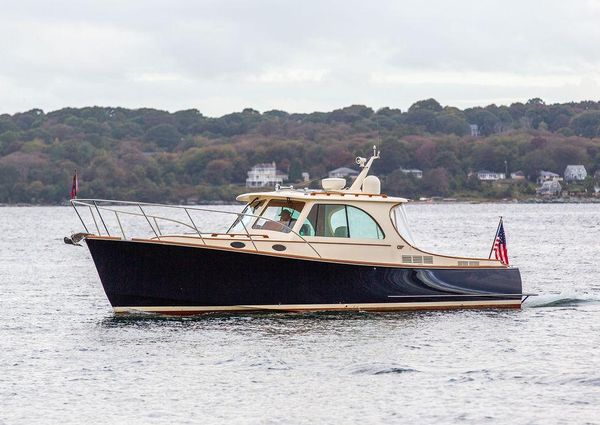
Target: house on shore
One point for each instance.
(343, 172)
(546, 176)
(413, 172)
(575, 173)
(265, 175)
(474, 130)
(517, 175)
(550, 188)
(485, 175)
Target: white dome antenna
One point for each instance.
(372, 185)
(333, 183)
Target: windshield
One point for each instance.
(281, 215)
(240, 225)
(400, 220)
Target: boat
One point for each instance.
(339, 248)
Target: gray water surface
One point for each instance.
(66, 358)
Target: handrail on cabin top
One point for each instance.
(94, 203)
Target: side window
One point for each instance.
(362, 225)
(340, 221)
(335, 221)
(309, 227)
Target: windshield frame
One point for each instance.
(406, 236)
(256, 204)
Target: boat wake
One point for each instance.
(563, 299)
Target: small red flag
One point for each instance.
(74, 186)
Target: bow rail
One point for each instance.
(96, 208)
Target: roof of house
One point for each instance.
(548, 174)
(265, 165)
(575, 168)
(344, 170)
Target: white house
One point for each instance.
(413, 172)
(343, 172)
(550, 188)
(486, 175)
(517, 175)
(474, 130)
(575, 173)
(262, 175)
(548, 176)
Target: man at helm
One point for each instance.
(284, 223)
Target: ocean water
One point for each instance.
(66, 358)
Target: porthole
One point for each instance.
(237, 244)
(278, 247)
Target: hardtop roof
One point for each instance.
(321, 195)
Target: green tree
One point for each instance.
(218, 171)
(451, 123)
(436, 182)
(295, 173)
(485, 120)
(427, 104)
(164, 135)
(401, 184)
(586, 124)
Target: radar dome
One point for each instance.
(333, 183)
(371, 185)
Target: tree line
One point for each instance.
(153, 155)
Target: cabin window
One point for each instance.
(242, 222)
(340, 221)
(280, 215)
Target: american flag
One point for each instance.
(500, 250)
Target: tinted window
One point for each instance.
(309, 227)
(334, 221)
(340, 221)
(362, 225)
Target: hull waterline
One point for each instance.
(173, 279)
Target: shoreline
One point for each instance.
(446, 201)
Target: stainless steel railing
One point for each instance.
(97, 206)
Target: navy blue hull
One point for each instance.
(141, 274)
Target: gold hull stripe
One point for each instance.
(326, 307)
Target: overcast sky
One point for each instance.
(300, 56)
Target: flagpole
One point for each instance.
(74, 186)
(495, 236)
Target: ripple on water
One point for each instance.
(560, 300)
(379, 369)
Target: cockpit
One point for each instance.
(330, 220)
(277, 215)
